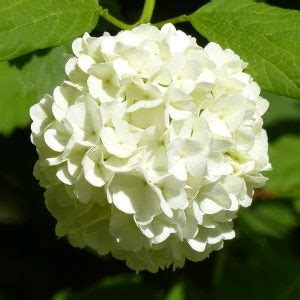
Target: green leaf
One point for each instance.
(264, 276)
(27, 25)
(297, 205)
(177, 292)
(281, 110)
(24, 81)
(272, 219)
(185, 290)
(267, 37)
(284, 179)
(62, 295)
(113, 288)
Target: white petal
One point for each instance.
(83, 190)
(197, 244)
(126, 193)
(85, 62)
(94, 171)
(64, 176)
(178, 170)
(56, 137)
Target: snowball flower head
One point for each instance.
(150, 147)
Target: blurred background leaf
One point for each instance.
(282, 112)
(284, 180)
(272, 219)
(177, 292)
(126, 286)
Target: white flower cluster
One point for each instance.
(151, 146)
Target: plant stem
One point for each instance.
(145, 17)
(147, 11)
(104, 13)
(179, 19)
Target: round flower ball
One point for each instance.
(150, 147)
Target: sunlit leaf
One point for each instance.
(284, 179)
(28, 25)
